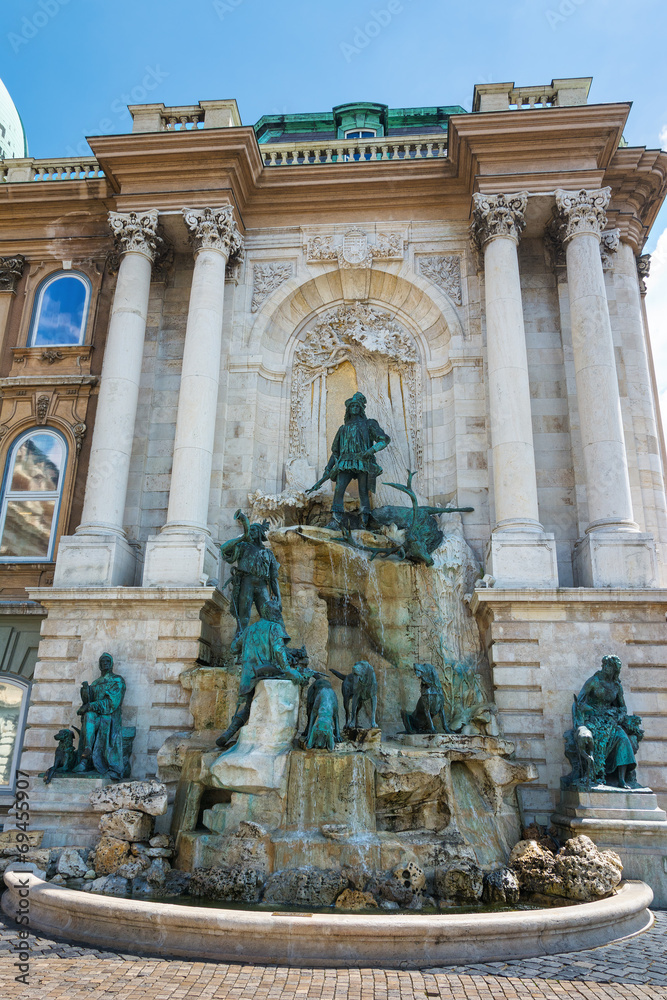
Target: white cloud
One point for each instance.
(656, 307)
(663, 136)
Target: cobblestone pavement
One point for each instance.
(635, 969)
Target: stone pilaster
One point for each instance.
(612, 553)
(11, 269)
(520, 554)
(183, 553)
(99, 553)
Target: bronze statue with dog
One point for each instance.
(359, 690)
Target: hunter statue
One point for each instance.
(353, 452)
(255, 575)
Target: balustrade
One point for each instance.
(292, 154)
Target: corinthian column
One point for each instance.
(183, 554)
(613, 553)
(520, 554)
(11, 269)
(99, 554)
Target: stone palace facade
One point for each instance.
(182, 316)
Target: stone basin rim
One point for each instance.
(325, 940)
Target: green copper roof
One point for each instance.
(359, 114)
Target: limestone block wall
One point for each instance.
(153, 635)
(542, 646)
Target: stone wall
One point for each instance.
(543, 646)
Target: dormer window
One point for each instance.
(361, 133)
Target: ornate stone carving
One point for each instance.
(42, 408)
(376, 345)
(79, 431)
(138, 232)
(610, 241)
(581, 211)
(266, 278)
(51, 356)
(443, 270)
(214, 229)
(643, 268)
(497, 215)
(11, 269)
(354, 250)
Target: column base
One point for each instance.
(180, 558)
(615, 559)
(96, 561)
(522, 559)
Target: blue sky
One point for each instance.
(72, 66)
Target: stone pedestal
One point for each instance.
(522, 559)
(62, 808)
(257, 762)
(616, 559)
(628, 822)
(96, 560)
(175, 556)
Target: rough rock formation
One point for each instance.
(108, 855)
(127, 824)
(501, 886)
(145, 796)
(352, 899)
(305, 886)
(462, 880)
(232, 883)
(579, 871)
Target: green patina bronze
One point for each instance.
(603, 741)
(430, 706)
(104, 747)
(254, 578)
(353, 451)
(262, 651)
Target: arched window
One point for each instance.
(61, 310)
(13, 706)
(31, 494)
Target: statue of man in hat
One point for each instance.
(353, 457)
(255, 575)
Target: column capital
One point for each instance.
(582, 211)
(11, 269)
(214, 229)
(643, 268)
(137, 232)
(497, 215)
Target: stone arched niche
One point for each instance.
(347, 348)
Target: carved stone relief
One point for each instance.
(11, 269)
(643, 268)
(266, 278)
(354, 249)
(443, 270)
(387, 369)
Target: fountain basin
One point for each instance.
(324, 940)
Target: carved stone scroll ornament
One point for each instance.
(11, 269)
(42, 408)
(79, 431)
(497, 215)
(643, 269)
(582, 212)
(354, 250)
(137, 232)
(214, 229)
(266, 278)
(443, 270)
(610, 240)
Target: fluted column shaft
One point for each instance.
(214, 237)
(607, 482)
(111, 449)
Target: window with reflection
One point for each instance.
(31, 495)
(61, 310)
(13, 706)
